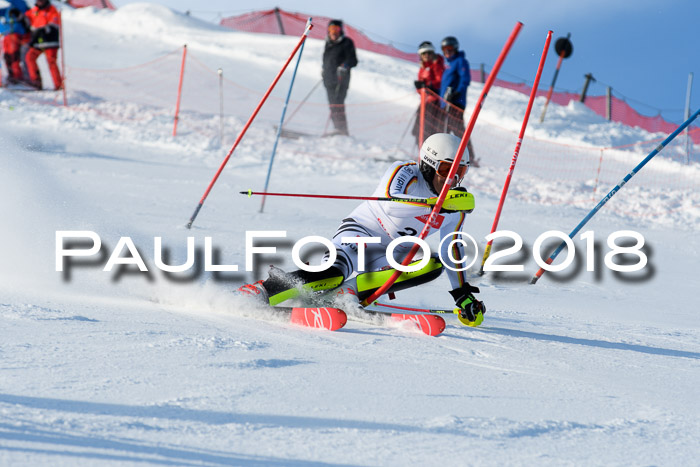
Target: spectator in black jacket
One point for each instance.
(338, 58)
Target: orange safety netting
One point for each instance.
(386, 124)
(100, 4)
(277, 21)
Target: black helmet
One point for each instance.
(336, 22)
(450, 41)
(426, 46)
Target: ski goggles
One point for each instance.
(448, 50)
(443, 170)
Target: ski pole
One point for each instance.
(615, 189)
(279, 129)
(423, 311)
(450, 176)
(533, 93)
(420, 201)
(248, 123)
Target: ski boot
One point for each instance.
(255, 290)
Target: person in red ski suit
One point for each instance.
(15, 31)
(429, 77)
(45, 22)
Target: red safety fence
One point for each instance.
(278, 21)
(614, 109)
(99, 4)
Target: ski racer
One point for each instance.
(389, 221)
(45, 23)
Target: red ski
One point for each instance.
(431, 325)
(327, 318)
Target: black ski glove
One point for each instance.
(419, 84)
(342, 71)
(468, 305)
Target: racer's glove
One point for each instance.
(471, 311)
(457, 199)
(419, 84)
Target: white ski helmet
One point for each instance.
(440, 149)
(426, 46)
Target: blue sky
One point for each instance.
(643, 49)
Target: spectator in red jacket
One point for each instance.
(429, 76)
(45, 23)
(14, 28)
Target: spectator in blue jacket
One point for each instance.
(453, 89)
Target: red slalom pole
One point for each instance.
(63, 59)
(533, 94)
(421, 201)
(421, 126)
(455, 164)
(248, 123)
(179, 90)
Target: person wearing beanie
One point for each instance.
(338, 58)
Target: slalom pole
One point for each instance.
(615, 189)
(279, 128)
(63, 58)
(420, 201)
(421, 125)
(516, 153)
(179, 90)
(245, 127)
(450, 176)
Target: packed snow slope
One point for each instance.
(126, 367)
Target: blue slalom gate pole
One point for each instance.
(615, 190)
(279, 128)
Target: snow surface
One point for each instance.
(101, 368)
